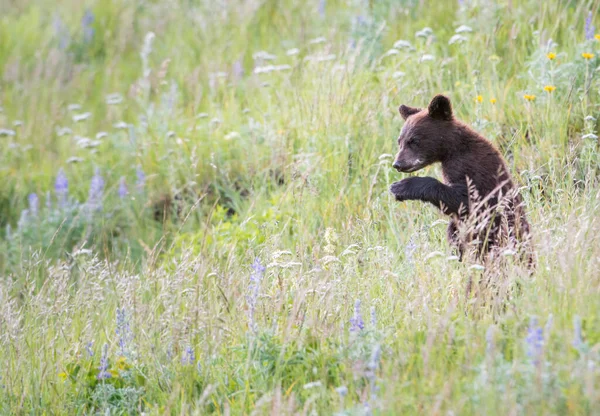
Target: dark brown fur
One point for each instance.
(477, 192)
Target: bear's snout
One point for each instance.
(407, 167)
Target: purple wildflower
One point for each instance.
(96, 191)
(34, 203)
(61, 188)
(189, 357)
(104, 374)
(238, 70)
(534, 340)
(123, 331)
(589, 27)
(123, 191)
(373, 317)
(356, 322)
(86, 24)
(141, 178)
(61, 32)
(88, 348)
(322, 6)
(254, 288)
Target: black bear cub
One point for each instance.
(486, 212)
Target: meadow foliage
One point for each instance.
(195, 216)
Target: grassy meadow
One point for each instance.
(195, 216)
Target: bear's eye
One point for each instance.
(411, 140)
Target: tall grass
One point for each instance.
(195, 214)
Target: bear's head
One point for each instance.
(421, 140)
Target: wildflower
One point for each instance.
(356, 322)
(190, 356)
(551, 56)
(321, 8)
(331, 239)
(589, 27)
(238, 69)
(493, 100)
(63, 375)
(255, 278)
(141, 178)
(587, 55)
(549, 88)
(81, 117)
(122, 363)
(96, 191)
(597, 37)
(123, 330)
(7, 132)
(529, 97)
(373, 317)
(86, 24)
(88, 348)
(61, 188)
(104, 374)
(34, 203)
(479, 99)
(534, 340)
(342, 391)
(123, 188)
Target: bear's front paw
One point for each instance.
(402, 189)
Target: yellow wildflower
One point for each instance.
(551, 56)
(122, 363)
(587, 55)
(457, 84)
(597, 37)
(493, 100)
(549, 88)
(529, 97)
(63, 376)
(479, 98)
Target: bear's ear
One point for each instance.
(406, 111)
(440, 108)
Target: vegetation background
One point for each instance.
(195, 217)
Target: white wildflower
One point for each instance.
(318, 40)
(457, 39)
(81, 117)
(271, 68)
(391, 52)
(232, 135)
(63, 131)
(403, 44)
(265, 56)
(424, 33)
(292, 52)
(7, 132)
(113, 99)
(464, 29)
